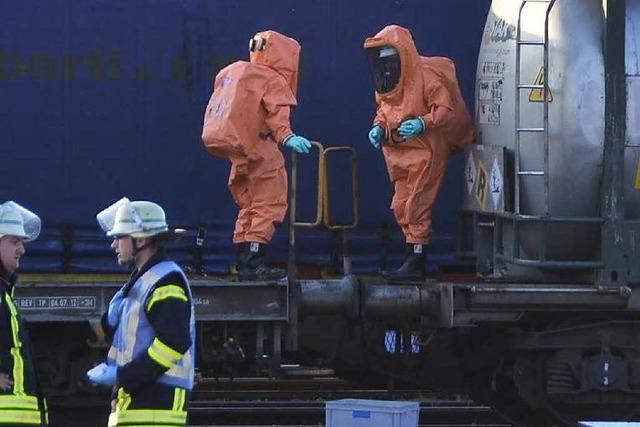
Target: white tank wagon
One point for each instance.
(539, 192)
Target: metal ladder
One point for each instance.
(545, 94)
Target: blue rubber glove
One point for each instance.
(376, 134)
(299, 144)
(104, 375)
(115, 310)
(410, 128)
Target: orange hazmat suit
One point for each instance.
(427, 89)
(246, 121)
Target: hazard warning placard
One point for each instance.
(470, 172)
(536, 94)
(482, 183)
(496, 183)
(485, 179)
(637, 183)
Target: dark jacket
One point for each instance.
(170, 319)
(24, 400)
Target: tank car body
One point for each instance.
(541, 168)
(551, 209)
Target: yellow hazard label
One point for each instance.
(536, 94)
(482, 185)
(637, 184)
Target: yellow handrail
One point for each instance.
(321, 180)
(323, 211)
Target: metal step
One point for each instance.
(531, 173)
(531, 129)
(531, 43)
(530, 86)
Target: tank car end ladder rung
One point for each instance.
(520, 46)
(531, 43)
(530, 86)
(531, 129)
(531, 173)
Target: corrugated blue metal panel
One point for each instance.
(105, 98)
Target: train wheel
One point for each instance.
(568, 371)
(497, 388)
(540, 378)
(570, 415)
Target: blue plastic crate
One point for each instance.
(371, 413)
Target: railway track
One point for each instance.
(282, 402)
(308, 413)
(301, 402)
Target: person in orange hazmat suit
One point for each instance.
(247, 121)
(421, 118)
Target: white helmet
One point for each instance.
(137, 219)
(18, 221)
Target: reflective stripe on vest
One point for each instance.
(148, 417)
(19, 416)
(10, 401)
(135, 334)
(19, 409)
(121, 415)
(18, 362)
(179, 398)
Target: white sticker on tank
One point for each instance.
(489, 113)
(495, 183)
(493, 69)
(490, 90)
(470, 172)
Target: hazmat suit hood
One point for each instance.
(278, 52)
(401, 40)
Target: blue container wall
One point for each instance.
(105, 98)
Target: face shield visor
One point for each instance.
(385, 67)
(19, 221)
(107, 217)
(137, 219)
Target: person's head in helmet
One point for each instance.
(385, 66)
(394, 61)
(278, 52)
(138, 229)
(17, 225)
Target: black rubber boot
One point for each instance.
(241, 255)
(255, 268)
(413, 267)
